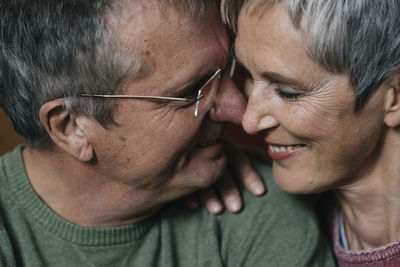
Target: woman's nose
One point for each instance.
(258, 115)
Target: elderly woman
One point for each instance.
(323, 89)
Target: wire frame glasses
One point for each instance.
(204, 98)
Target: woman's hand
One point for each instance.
(225, 191)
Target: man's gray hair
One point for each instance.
(360, 38)
(59, 49)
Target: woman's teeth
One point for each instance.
(283, 148)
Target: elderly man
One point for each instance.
(122, 104)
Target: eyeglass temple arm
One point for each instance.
(141, 97)
(199, 95)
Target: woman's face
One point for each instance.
(305, 113)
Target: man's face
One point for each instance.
(162, 148)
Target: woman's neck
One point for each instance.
(371, 204)
(374, 226)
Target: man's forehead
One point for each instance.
(173, 46)
(143, 23)
(127, 10)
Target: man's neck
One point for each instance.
(73, 190)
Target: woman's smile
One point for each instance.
(281, 152)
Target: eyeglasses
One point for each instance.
(204, 99)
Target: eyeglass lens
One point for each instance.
(206, 95)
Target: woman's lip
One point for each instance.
(280, 152)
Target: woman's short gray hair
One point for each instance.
(360, 38)
(60, 49)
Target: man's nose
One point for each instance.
(229, 104)
(258, 116)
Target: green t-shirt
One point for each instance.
(274, 230)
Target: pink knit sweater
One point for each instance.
(388, 256)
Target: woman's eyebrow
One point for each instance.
(274, 77)
(278, 78)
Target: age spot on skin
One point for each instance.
(122, 138)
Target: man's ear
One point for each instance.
(66, 131)
(392, 101)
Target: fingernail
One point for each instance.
(235, 205)
(215, 207)
(258, 188)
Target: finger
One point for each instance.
(240, 165)
(211, 200)
(250, 179)
(229, 193)
(191, 202)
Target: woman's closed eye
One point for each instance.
(288, 94)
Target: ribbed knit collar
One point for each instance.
(38, 212)
(374, 257)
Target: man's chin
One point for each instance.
(209, 172)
